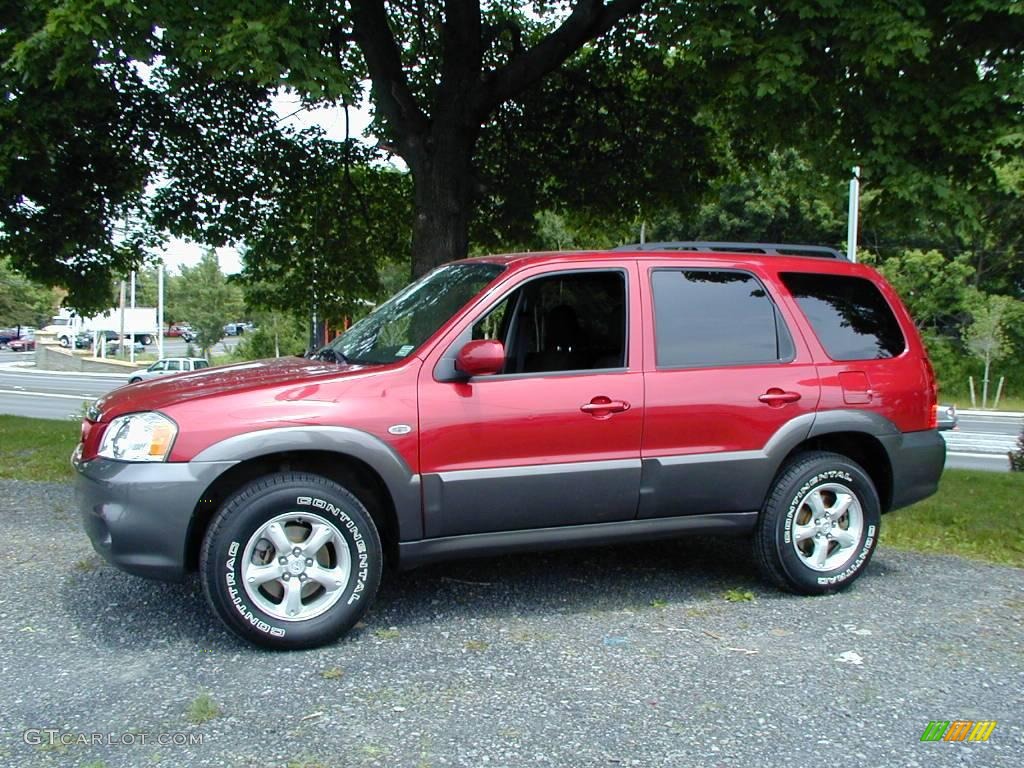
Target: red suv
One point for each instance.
(521, 402)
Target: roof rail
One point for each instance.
(775, 249)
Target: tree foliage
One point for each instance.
(205, 297)
(22, 301)
(123, 120)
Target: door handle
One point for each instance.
(776, 396)
(602, 406)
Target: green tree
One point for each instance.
(934, 288)
(601, 107)
(986, 335)
(22, 301)
(208, 300)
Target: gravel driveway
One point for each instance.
(601, 657)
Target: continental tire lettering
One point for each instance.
(869, 540)
(236, 598)
(363, 571)
(821, 477)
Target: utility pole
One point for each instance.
(852, 219)
(160, 309)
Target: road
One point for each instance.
(980, 442)
(60, 395)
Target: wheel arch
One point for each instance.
(362, 463)
(354, 475)
(863, 448)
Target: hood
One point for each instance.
(156, 394)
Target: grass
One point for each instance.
(37, 449)
(963, 400)
(202, 709)
(974, 514)
(739, 596)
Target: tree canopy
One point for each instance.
(124, 120)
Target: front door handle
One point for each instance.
(602, 406)
(776, 396)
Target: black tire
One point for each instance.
(316, 500)
(146, 340)
(789, 560)
(134, 380)
(65, 342)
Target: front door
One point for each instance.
(554, 439)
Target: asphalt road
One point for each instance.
(60, 395)
(629, 656)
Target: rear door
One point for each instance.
(554, 439)
(729, 385)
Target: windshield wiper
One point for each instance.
(330, 355)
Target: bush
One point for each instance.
(1017, 455)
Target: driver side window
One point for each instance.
(562, 322)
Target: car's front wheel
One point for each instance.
(134, 380)
(292, 560)
(819, 526)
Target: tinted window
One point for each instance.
(711, 317)
(564, 322)
(173, 365)
(197, 364)
(852, 319)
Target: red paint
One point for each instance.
(481, 358)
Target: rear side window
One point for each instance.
(715, 317)
(850, 315)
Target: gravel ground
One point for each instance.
(601, 657)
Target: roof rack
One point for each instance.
(775, 249)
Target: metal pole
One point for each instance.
(120, 342)
(160, 309)
(131, 348)
(851, 230)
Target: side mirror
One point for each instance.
(483, 357)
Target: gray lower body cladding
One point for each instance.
(917, 460)
(137, 515)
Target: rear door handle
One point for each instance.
(775, 396)
(602, 406)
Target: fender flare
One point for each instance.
(402, 483)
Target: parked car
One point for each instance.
(234, 329)
(170, 365)
(7, 335)
(114, 347)
(524, 402)
(84, 339)
(24, 343)
(947, 418)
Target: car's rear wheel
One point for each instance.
(819, 526)
(293, 560)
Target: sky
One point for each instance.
(179, 252)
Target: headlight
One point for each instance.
(139, 437)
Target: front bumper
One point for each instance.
(138, 514)
(917, 460)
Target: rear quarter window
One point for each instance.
(850, 316)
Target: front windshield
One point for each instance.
(411, 316)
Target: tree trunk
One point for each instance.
(443, 201)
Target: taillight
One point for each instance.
(932, 385)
